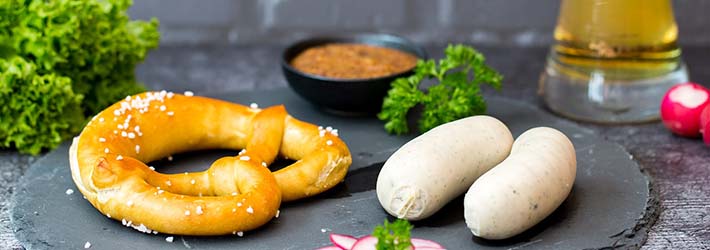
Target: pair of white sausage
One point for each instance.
(520, 182)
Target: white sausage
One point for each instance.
(439, 165)
(525, 188)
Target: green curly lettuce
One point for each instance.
(65, 60)
(456, 94)
(23, 121)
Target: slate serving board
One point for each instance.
(609, 196)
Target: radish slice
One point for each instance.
(365, 243)
(425, 244)
(681, 108)
(329, 248)
(343, 241)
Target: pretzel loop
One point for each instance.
(237, 193)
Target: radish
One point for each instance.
(365, 243)
(425, 244)
(343, 241)
(329, 248)
(681, 108)
(347, 242)
(705, 124)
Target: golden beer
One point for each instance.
(613, 60)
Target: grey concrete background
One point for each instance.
(484, 22)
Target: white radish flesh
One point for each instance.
(422, 244)
(439, 165)
(343, 241)
(525, 188)
(365, 243)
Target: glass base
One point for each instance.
(594, 96)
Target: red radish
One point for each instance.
(329, 248)
(425, 244)
(365, 243)
(704, 118)
(681, 108)
(705, 124)
(343, 241)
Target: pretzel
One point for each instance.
(236, 194)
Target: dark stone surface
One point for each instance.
(679, 167)
(608, 197)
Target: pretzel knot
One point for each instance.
(235, 194)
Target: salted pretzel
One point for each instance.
(235, 194)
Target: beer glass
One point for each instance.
(612, 60)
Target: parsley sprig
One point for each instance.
(393, 236)
(457, 94)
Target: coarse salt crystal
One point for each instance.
(234, 193)
(321, 133)
(106, 150)
(244, 158)
(169, 239)
(254, 105)
(278, 212)
(189, 93)
(129, 203)
(87, 244)
(170, 95)
(137, 128)
(161, 191)
(131, 135)
(124, 134)
(250, 210)
(329, 128)
(240, 234)
(120, 126)
(329, 142)
(170, 158)
(171, 113)
(69, 191)
(123, 221)
(322, 230)
(116, 112)
(263, 163)
(187, 212)
(101, 139)
(151, 168)
(198, 210)
(192, 181)
(162, 107)
(239, 204)
(119, 157)
(101, 119)
(138, 149)
(168, 183)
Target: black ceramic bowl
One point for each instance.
(345, 96)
